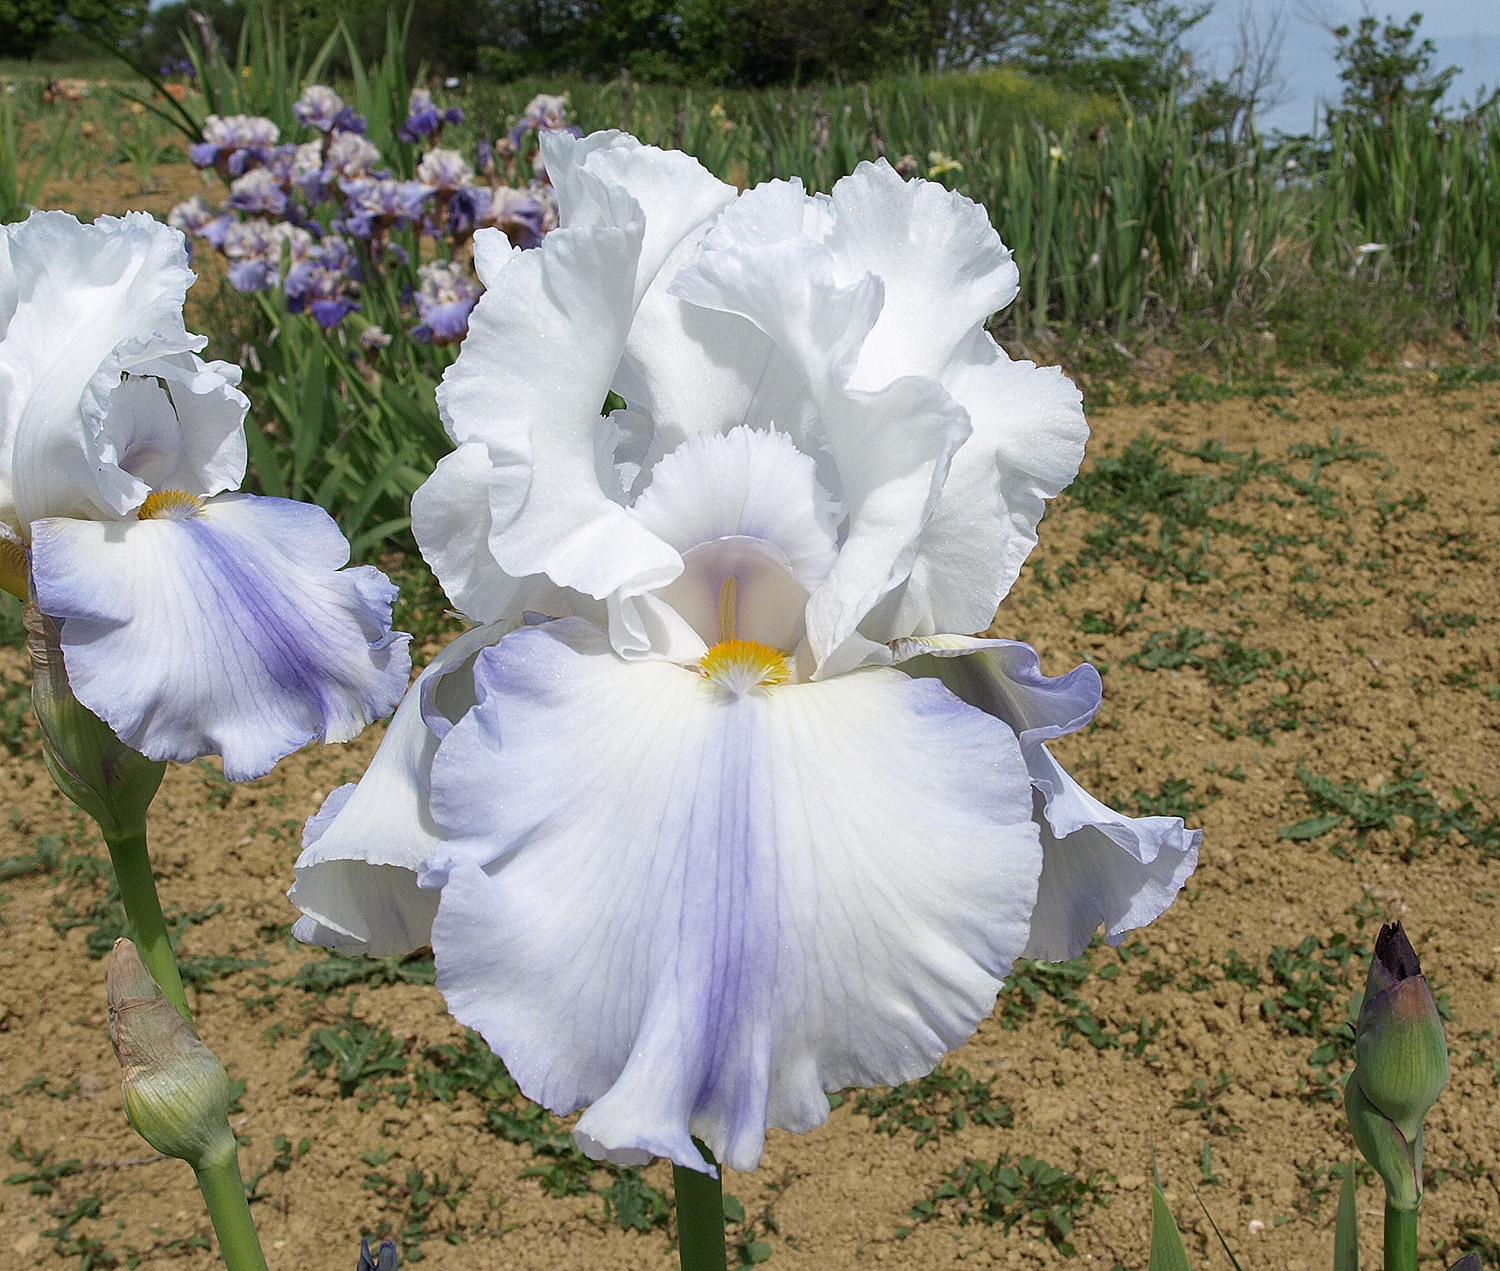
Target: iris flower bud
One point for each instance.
(385, 1260)
(1402, 1055)
(95, 769)
(175, 1090)
(1401, 1067)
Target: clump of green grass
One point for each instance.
(341, 971)
(1043, 1199)
(943, 1102)
(1353, 808)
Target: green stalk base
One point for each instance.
(1400, 1239)
(700, 1218)
(148, 928)
(224, 1193)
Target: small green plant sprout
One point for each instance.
(1401, 1067)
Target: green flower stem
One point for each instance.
(224, 1193)
(700, 1217)
(1400, 1239)
(148, 928)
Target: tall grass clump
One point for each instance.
(1124, 221)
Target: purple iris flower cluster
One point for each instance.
(423, 119)
(313, 218)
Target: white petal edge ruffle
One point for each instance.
(235, 631)
(1101, 865)
(356, 880)
(697, 913)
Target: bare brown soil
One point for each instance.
(1365, 603)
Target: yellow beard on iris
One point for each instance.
(741, 665)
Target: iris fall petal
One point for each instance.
(696, 912)
(229, 629)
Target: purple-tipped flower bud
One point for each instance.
(1402, 1055)
(385, 1260)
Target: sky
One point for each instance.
(1466, 32)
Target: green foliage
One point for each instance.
(359, 1055)
(1401, 798)
(24, 167)
(1386, 70)
(942, 1102)
(1167, 1251)
(1042, 1198)
(342, 971)
(1174, 797)
(38, 1177)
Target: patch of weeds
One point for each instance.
(1335, 450)
(1206, 1173)
(1317, 606)
(1044, 1200)
(749, 1251)
(416, 1200)
(560, 1167)
(1030, 983)
(1354, 808)
(218, 789)
(1472, 1238)
(1482, 1055)
(1205, 1100)
(90, 1251)
(44, 858)
(1389, 511)
(281, 1162)
(1468, 1169)
(359, 1054)
(1107, 622)
(421, 606)
(1433, 623)
(1460, 547)
(1174, 797)
(1312, 994)
(38, 1175)
(1124, 491)
(942, 1102)
(637, 1206)
(17, 724)
(342, 971)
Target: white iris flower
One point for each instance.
(691, 845)
(194, 620)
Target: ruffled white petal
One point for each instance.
(890, 447)
(211, 411)
(944, 268)
(697, 912)
(356, 880)
(1101, 865)
(232, 631)
(91, 302)
(1028, 440)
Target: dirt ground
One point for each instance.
(1375, 584)
(1293, 599)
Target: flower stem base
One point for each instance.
(1400, 1239)
(224, 1193)
(700, 1218)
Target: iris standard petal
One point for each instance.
(891, 447)
(570, 300)
(357, 875)
(696, 912)
(944, 268)
(221, 628)
(1028, 440)
(91, 301)
(1101, 865)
